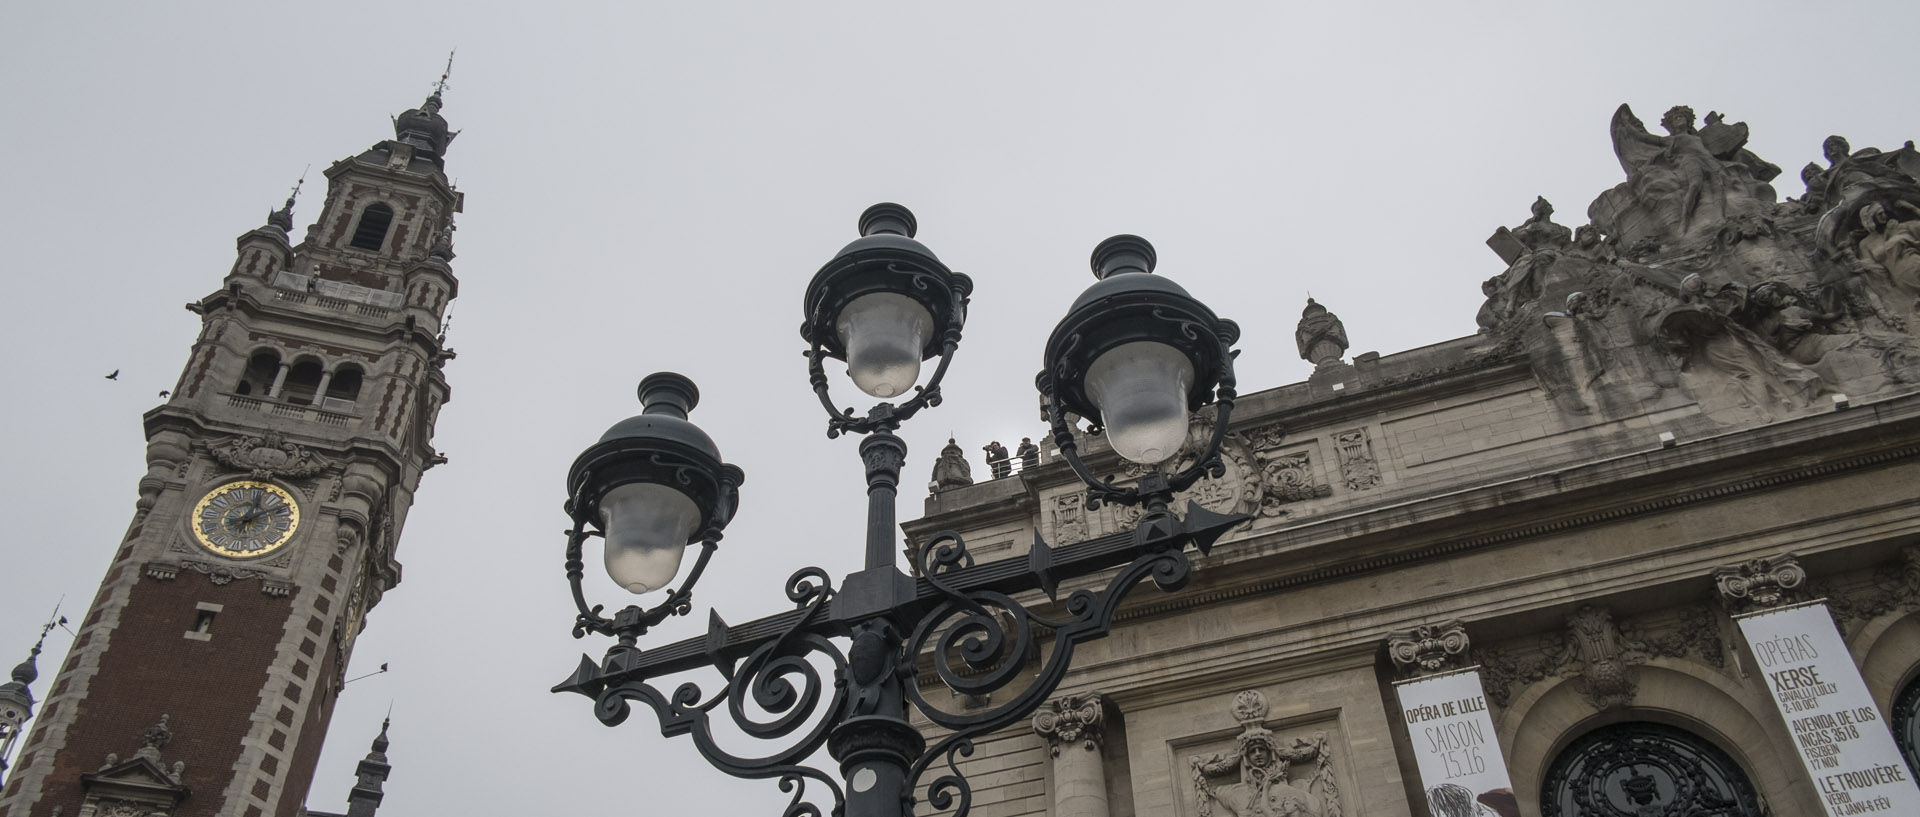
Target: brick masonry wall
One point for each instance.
(151, 655)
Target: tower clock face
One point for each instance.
(245, 518)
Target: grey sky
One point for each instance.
(650, 186)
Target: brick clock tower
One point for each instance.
(279, 475)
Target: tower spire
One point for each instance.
(372, 772)
(423, 127)
(283, 217)
(441, 86)
(16, 696)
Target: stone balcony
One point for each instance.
(332, 412)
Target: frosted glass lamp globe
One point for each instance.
(647, 527)
(884, 334)
(1141, 391)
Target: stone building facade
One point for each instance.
(1701, 404)
(281, 467)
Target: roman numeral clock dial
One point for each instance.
(245, 518)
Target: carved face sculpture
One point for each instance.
(1542, 210)
(1678, 119)
(1258, 755)
(1586, 236)
(1836, 149)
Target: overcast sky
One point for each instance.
(650, 186)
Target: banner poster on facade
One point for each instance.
(1837, 731)
(1461, 767)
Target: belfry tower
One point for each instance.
(279, 475)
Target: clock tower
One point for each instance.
(279, 475)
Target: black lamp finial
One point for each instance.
(668, 393)
(888, 218)
(1122, 254)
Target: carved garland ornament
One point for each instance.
(268, 456)
(1600, 654)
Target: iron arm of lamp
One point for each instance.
(1043, 569)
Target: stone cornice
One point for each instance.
(1276, 405)
(1743, 466)
(1747, 462)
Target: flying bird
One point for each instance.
(115, 375)
(164, 393)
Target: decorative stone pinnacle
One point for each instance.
(668, 393)
(1428, 647)
(1123, 254)
(1320, 336)
(887, 218)
(154, 738)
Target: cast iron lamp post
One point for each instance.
(1134, 355)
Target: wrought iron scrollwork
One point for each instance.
(1630, 769)
(991, 635)
(779, 678)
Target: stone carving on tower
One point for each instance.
(1693, 285)
(1275, 778)
(269, 455)
(280, 471)
(143, 785)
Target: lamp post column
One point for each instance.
(885, 454)
(876, 744)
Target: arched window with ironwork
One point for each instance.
(1641, 769)
(1906, 724)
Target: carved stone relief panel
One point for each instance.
(1068, 519)
(1601, 654)
(1260, 772)
(1290, 477)
(1892, 586)
(1357, 466)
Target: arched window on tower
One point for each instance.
(262, 368)
(372, 231)
(342, 389)
(303, 382)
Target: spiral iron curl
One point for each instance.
(993, 633)
(781, 681)
(944, 789)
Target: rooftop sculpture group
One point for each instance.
(1693, 283)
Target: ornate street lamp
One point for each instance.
(1137, 354)
(1133, 352)
(651, 487)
